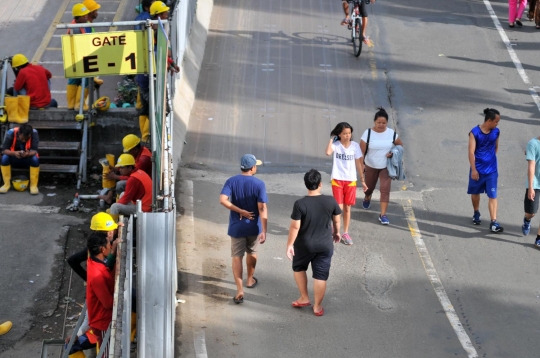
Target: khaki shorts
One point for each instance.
(241, 245)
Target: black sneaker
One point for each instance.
(476, 218)
(495, 227)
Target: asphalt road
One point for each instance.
(276, 77)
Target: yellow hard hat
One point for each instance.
(102, 222)
(158, 7)
(20, 183)
(102, 103)
(18, 60)
(91, 5)
(79, 10)
(130, 141)
(125, 160)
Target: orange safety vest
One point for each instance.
(28, 144)
(82, 29)
(147, 184)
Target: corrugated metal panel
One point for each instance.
(156, 284)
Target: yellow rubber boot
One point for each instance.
(5, 327)
(79, 354)
(71, 95)
(133, 326)
(144, 125)
(6, 176)
(34, 178)
(12, 109)
(78, 99)
(98, 81)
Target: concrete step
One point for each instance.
(56, 124)
(45, 145)
(52, 168)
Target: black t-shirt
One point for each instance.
(315, 214)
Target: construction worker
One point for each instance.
(138, 187)
(93, 7)
(74, 89)
(143, 160)
(158, 9)
(145, 14)
(100, 286)
(101, 222)
(33, 81)
(20, 149)
(5, 327)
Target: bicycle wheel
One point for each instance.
(357, 37)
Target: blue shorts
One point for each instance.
(487, 183)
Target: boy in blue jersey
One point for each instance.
(532, 193)
(245, 196)
(483, 146)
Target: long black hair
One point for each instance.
(339, 128)
(491, 114)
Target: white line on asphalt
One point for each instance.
(200, 344)
(436, 282)
(512, 53)
(58, 91)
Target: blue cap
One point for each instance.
(248, 161)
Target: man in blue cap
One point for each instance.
(245, 196)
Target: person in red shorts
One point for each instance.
(347, 163)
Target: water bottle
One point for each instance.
(76, 201)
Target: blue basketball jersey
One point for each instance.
(485, 156)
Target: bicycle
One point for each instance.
(355, 25)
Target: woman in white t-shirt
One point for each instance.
(346, 164)
(378, 146)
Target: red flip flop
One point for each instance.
(297, 304)
(320, 313)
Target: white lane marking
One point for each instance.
(54, 91)
(436, 281)
(200, 344)
(512, 53)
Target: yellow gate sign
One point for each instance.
(105, 53)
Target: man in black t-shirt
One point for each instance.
(315, 224)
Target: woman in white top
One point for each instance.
(346, 164)
(376, 151)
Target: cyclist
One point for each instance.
(363, 13)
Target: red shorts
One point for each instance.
(344, 191)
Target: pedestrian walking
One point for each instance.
(515, 11)
(314, 228)
(245, 197)
(534, 13)
(483, 175)
(532, 193)
(376, 144)
(346, 165)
